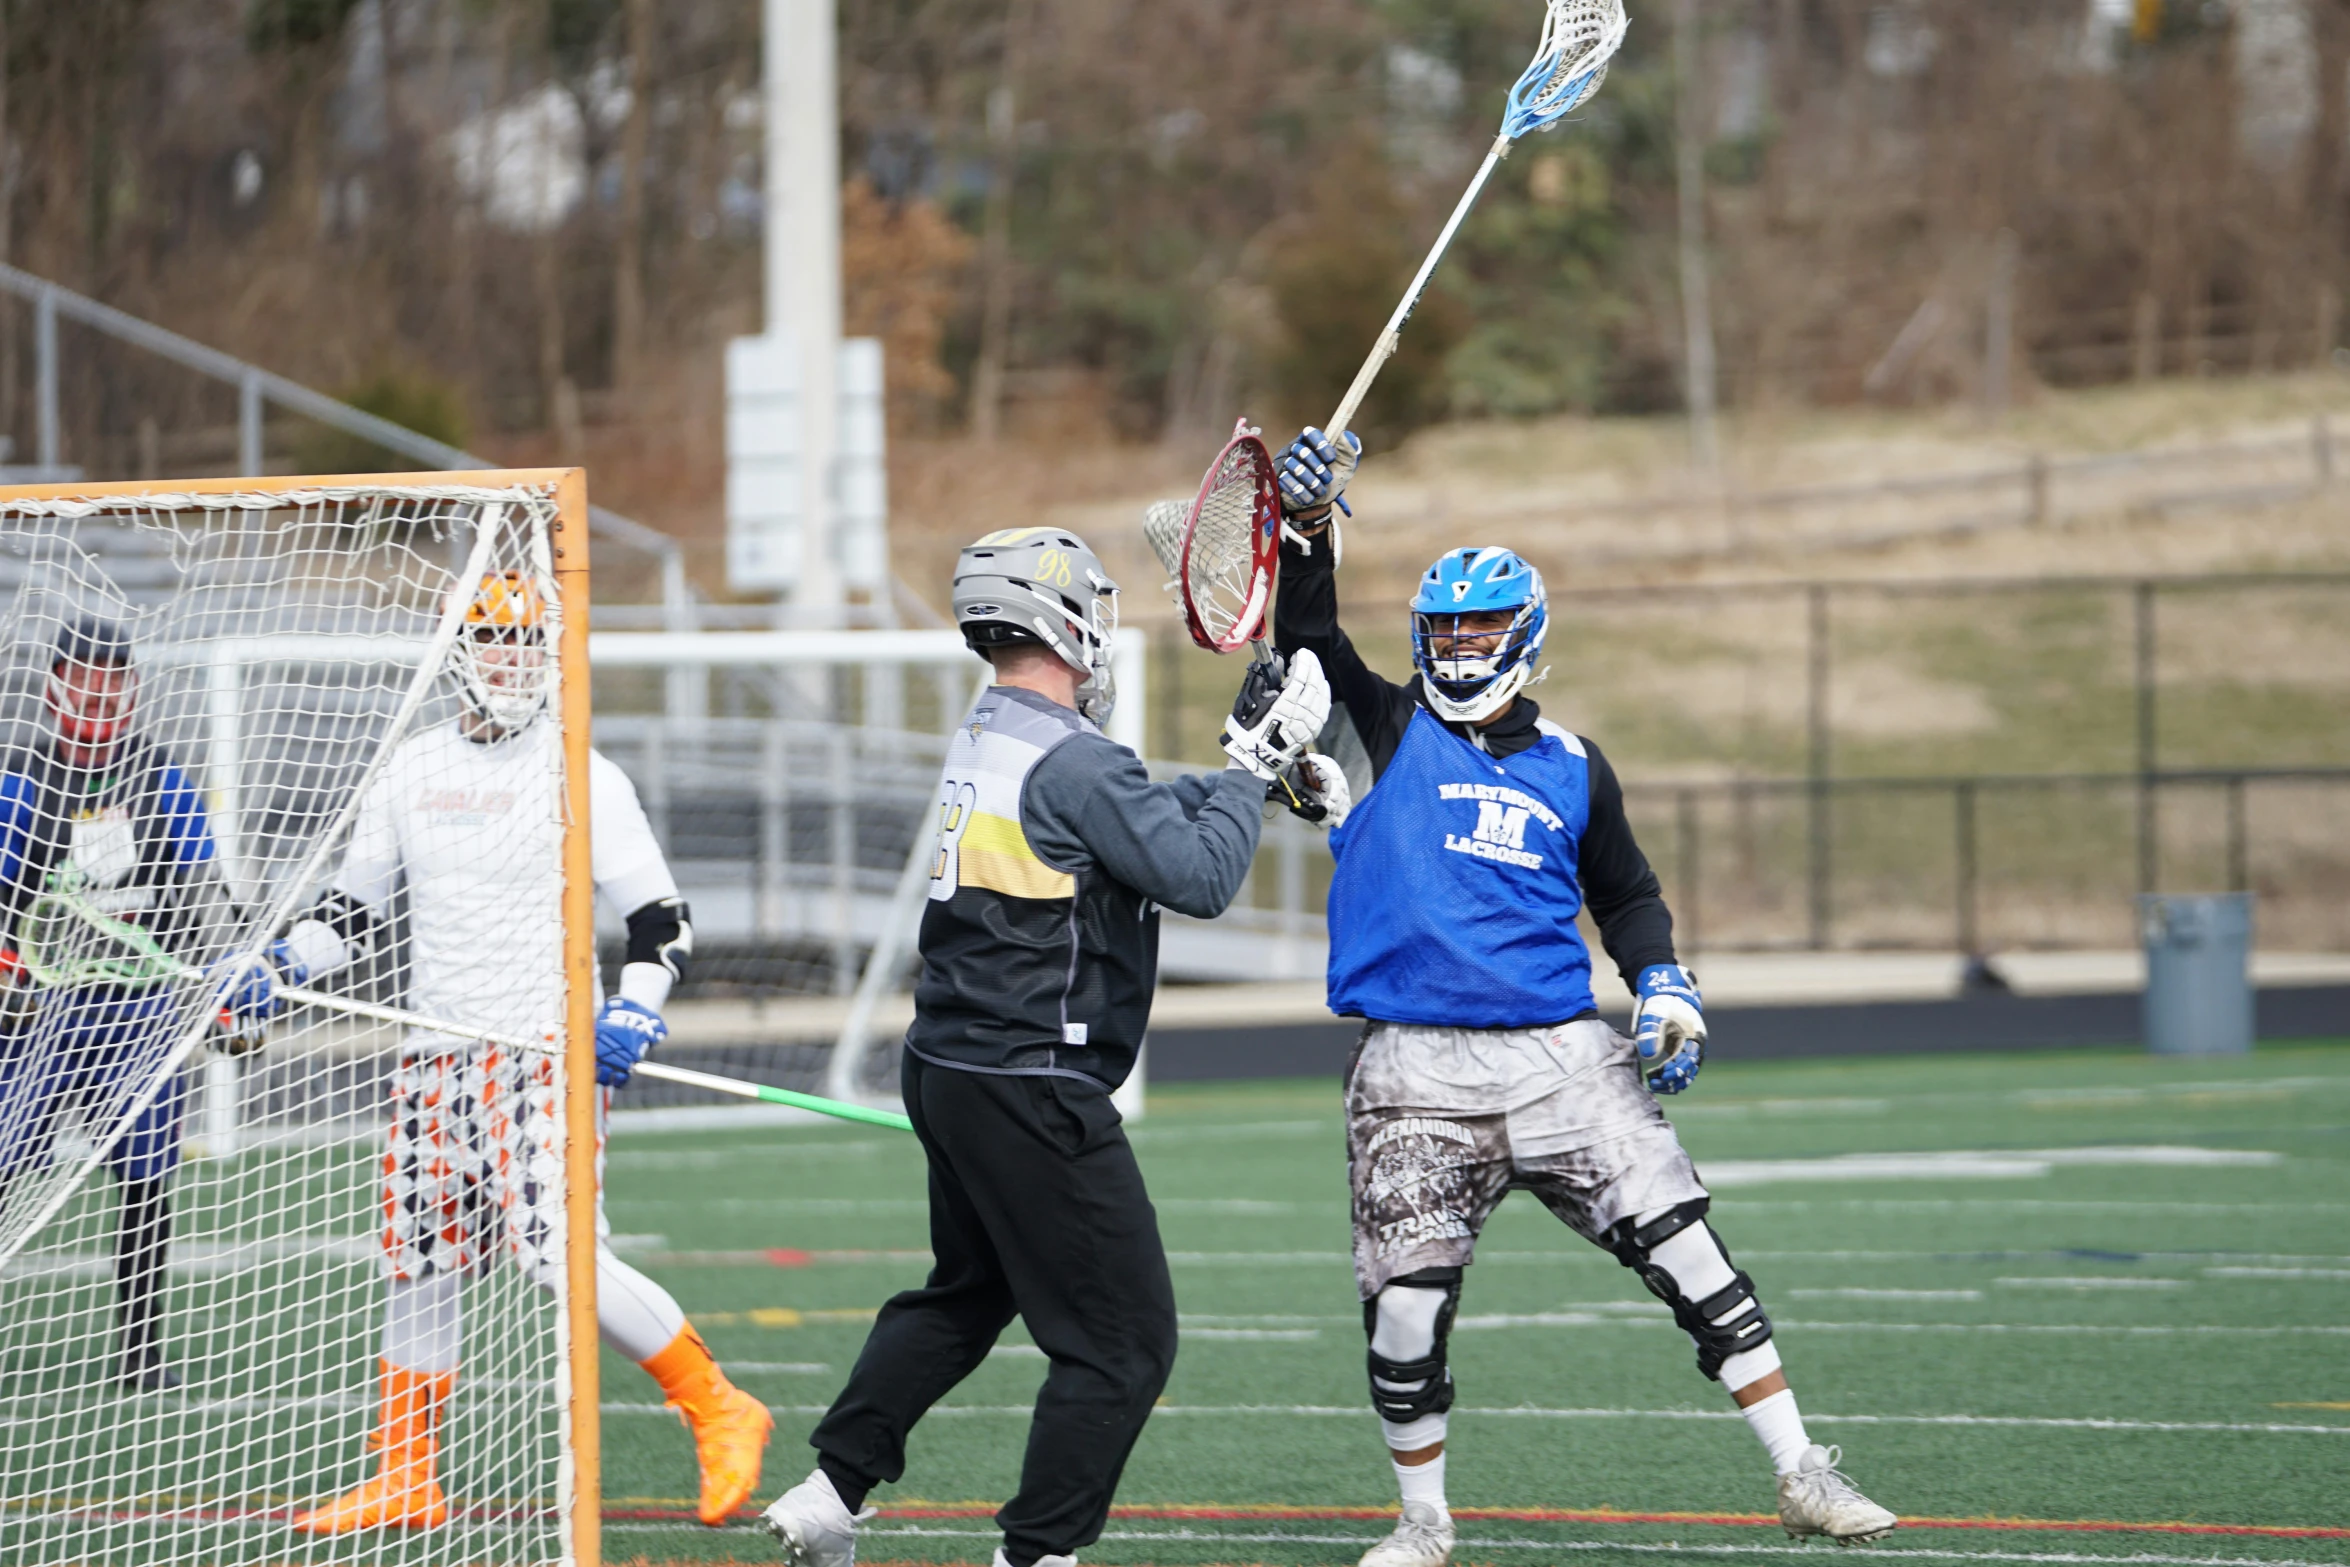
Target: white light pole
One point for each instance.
(802, 242)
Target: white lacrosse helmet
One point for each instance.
(501, 658)
(1042, 585)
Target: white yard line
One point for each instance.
(2039, 1205)
(2103, 1281)
(1986, 1164)
(1364, 1412)
(2075, 1254)
(1471, 1541)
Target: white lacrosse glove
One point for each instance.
(1316, 790)
(1282, 706)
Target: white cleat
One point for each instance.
(1816, 1499)
(1422, 1538)
(1001, 1560)
(813, 1525)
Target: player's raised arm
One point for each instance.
(1314, 470)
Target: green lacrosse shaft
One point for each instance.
(775, 1096)
(840, 1109)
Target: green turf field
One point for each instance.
(2120, 1294)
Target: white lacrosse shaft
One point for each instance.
(685, 1076)
(1385, 348)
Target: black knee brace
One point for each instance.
(1406, 1390)
(1743, 1325)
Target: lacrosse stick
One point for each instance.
(136, 957)
(654, 1069)
(1578, 39)
(1221, 553)
(1222, 550)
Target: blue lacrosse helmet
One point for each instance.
(1468, 582)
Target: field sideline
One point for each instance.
(2072, 1308)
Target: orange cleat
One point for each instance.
(729, 1443)
(730, 1427)
(404, 1492)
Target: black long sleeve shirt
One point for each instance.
(1619, 887)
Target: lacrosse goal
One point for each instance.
(200, 683)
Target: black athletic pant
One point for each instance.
(142, 1252)
(1036, 1208)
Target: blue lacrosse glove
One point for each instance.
(1313, 470)
(250, 991)
(624, 1032)
(1668, 1027)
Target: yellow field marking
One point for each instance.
(782, 1317)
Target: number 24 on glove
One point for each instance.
(1668, 1027)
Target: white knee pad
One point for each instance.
(1411, 1386)
(1689, 1269)
(1694, 1258)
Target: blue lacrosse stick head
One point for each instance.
(1588, 38)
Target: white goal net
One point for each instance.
(228, 716)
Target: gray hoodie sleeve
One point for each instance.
(1185, 844)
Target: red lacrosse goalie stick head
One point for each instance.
(1222, 550)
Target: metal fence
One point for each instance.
(2178, 705)
(1981, 864)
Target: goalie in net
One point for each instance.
(474, 1160)
(106, 854)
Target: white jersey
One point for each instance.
(474, 828)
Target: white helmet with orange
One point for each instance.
(501, 659)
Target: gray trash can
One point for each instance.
(2198, 974)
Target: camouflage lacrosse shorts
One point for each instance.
(475, 1159)
(1442, 1123)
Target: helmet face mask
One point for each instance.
(91, 703)
(1471, 685)
(92, 689)
(501, 659)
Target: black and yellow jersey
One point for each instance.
(1040, 942)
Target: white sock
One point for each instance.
(634, 1315)
(424, 1323)
(1778, 1425)
(1412, 1435)
(1423, 1483)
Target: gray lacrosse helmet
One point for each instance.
(1042, 585)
